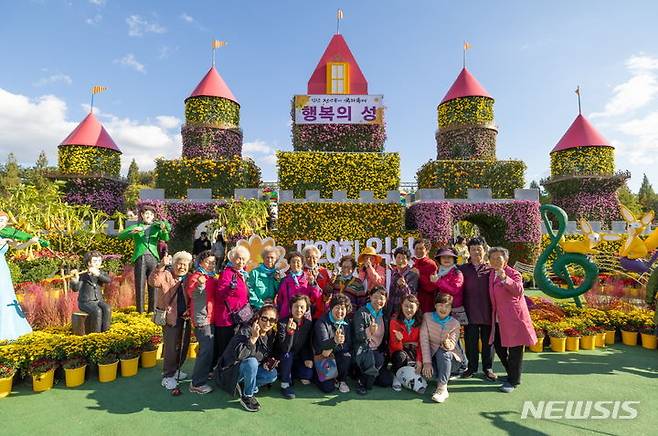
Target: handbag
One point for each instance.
(325, 367)
(160, 315)
(270, 363)
(241, 316)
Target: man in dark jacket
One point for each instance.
(202, 243)
(90, 297)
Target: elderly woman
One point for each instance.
(231, 296)
(169, 280)
(263, 281)
(317, 274)
(371, 272)
(511, 325)
(199, 289)
(404, 280)
(248, 361)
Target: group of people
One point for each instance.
(310, 326)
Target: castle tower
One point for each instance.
(583, 181)
(466, 145)
(90, 162)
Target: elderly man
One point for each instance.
(169, 278)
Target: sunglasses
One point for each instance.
(269, 320)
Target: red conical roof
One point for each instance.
(337, 51)
(466, 85)
(212, 85)
(581, 133)
(92, 133)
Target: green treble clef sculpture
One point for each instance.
(561, 261)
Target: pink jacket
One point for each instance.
(432, 337)
(289, 288)
(232, 291)
(510, 309)
(374, 276)
(453, 284)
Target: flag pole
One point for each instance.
(578, 94)
(213, 56)
(337, 24)
(91, 108)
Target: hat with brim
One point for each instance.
(445, 252)
(369, 251)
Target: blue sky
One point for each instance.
(529, 55)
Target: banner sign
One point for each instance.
(332, 251)
(339, 109)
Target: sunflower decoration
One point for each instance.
(255, 244)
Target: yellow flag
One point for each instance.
(467, 45)
(98, 89)
(218, 44)
(339, 14)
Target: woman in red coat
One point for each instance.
(450, 280)
(404, 338)
(425, 268)
(320, 275)
(511, 324)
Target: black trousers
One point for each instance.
(473, 332)
(144, 266)
(401, 358)
(176, 342)
(100, 314)
(223, 336)
(511, 358)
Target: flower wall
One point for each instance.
(466, 110)
(456, 176)
(98, 192)
(352, 172)
(211, 142)
(466, 143)
(583, 160)
(339, 137)
(212, 111)
(515, 224)
(86, 160)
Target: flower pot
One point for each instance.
(629, 338)
(538, 347)
(558, 344)
(587, 342)
(5, 386)
(149, 358)
(129, 367)
(159, 355)
(573, 343)
(193, 350)
(108, 372)
(74, 376)
(610, 337)
(649, 341)
(44, 381)
(599, 340)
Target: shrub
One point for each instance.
(352, 172)
(456, 176)
(222, 175)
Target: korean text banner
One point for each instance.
(339, 109)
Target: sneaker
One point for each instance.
(455, 377)
(361, 390)
(250, 404)
(203, 389)
(181, 375)
(506, 387)
(440, 396)
(397, 386)
(467, 374)
(342, 387)
(288, 393)
(169, 383)
(490, 375)
(305, 382)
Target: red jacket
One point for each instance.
(326, 285)
(453, 284)
(426, 289)
(407, 338)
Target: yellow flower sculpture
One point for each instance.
(255, 244)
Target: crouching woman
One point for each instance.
(248, 361)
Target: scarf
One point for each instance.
(335, 322)
(263, 268)
(375, 314)
(295, 276)
(409, 323)
(441, 322)
(244, 274)
(203, 271)
(444, 271)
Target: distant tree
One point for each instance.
(147, 178)
(628, 199)
(11, 175)
(544, 198)
(133, 173)
(646, 195)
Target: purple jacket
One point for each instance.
(289, 288)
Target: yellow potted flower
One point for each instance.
(7, 372)
(648, 334)
(129, 361)
(43, 373)
(107, 367)
(573, 339)
(588, 339)
(74, 371)
(149, 352)
(558, 339)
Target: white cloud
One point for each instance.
(256, 147)
(130, 61)
(138, 26)
(168, 121)
(29, 125)
(94, 20)
(54, 78)
(186, 18)
(264, 155)
(97, 2)
(637, 91)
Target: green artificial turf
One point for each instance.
(140, 406)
